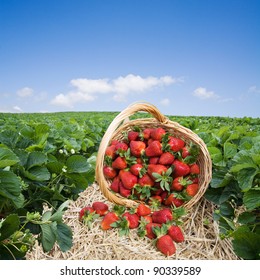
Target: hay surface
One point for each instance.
(201, 237)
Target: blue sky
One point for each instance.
(187, 57)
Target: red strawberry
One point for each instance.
(154, 149)
(156, 168)
(114, 142)
(162, 216)
(148, 218)
(154, 160)
(149, 230)
(121, 146)
(180, 168)
(194, 180)
(136, 168)
(133, 220)
(119, 163)
(109, 172)
(85, 211)
(192, 189)
(166, 158)
(139, 160)
(171, 200)
(165, 245)
(194, 169)
(145, 181)
(176, 144)
(128, 179)
(110, 151)
(185, 152)
(123, 191)
(137, 148)
(157, 133)
(133, 135)
(178, 183)
(147, 133)
(156, 198)
(109, 219)
(143, 210)
(115, 184)
(100, 207)
(175, 233)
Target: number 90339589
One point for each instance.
(177, 270)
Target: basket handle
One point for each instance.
(140, 107)
(129, 111)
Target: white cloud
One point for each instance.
(25, 92)
(165, 101)
(203, 93)
(17, 108)
(254, 89)
(87, 90)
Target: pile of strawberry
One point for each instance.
(153, 166)
(162, 225)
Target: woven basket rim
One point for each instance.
(122, 123)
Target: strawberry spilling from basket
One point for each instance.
(152, 162)
(156, 169)
(161, 225)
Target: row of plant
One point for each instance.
(48, 159)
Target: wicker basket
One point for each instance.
(121, 123)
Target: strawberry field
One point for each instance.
(48, 160)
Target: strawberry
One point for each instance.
(175, 233)
(119, 163)
(166, 158)
(114, 142)
(143, 210)
(100, 207)
(85, 211)
(87, 215)
(146, 180)
(108, 219)
(165, 245)
(149, 230)
(115, 184)
(156, 168)
(172, 200)
(192, 189)
(194, 169)
(136, 168)
(110, 151)
(162, 216)
(154, 160)
(154, 149)
(123, 191)
(132, 135)
(147, 133)
(178, 183)
(176, 144)
(185, 152)
(180, 168)
(137, 148)
(157, 133)
(112, 217)
(109, 172)
(128, 179)
(132, 219)
(148, 218)
(155, 202)
(121, 146)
